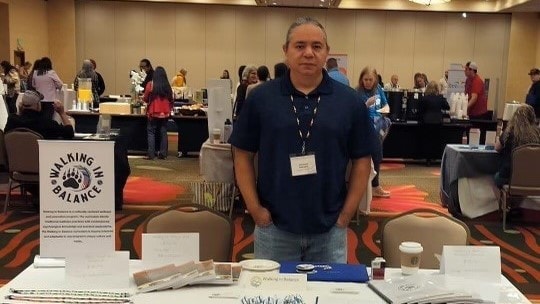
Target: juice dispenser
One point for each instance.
(84, 94)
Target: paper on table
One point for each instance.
(482, 262)
(169, 248)
(98, 270)
(41, 262)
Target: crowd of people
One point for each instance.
(296, 125)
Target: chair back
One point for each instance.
(525, 176)
(216, 231)
(3, 156)
(433, 229)
(22, 151)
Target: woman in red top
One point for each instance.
(159, 99)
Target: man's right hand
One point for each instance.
(261, 216)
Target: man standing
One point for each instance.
(146, 66)
(334, 72)
(101, 82)
(305, 129)
(533, 96)
(393, 84)
(474, 87)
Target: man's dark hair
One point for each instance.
(262, 73)
(331, 63)
(280, 69)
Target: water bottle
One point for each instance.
(464, 139)
(227, 130)
(404, 106)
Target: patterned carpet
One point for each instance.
(156, 184)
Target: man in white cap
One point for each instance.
(31, 118)
(474, 87)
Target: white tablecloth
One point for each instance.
(54, 278)
(216, 163)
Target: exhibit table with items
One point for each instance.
(52, 282)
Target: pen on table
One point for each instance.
(317, 300)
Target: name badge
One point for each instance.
(303, 165)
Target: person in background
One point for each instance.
(393, 84)
(533, 96)
(240, 80)
(31, 118)
(24, 71)
(159, 99)
(431, 115)
(11, 79)
(302, 215)
(29, 83)
(146, 66)
(474, 87)
(46, 81)
(180, 79)
(372, 95)
(280, 69)
(263, 74)
(225, 75)
(101, 82)
(521, 130)
(249, 76)
(87, 71)
(443, 84)
(334, 72)
(381, 82)
(420, 82)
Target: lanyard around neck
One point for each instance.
(308, 133)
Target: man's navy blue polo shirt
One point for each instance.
(341, 131)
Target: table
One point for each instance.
(53, 278)
(408, 139)
(473, 166)
(192, 133)
(132, 127)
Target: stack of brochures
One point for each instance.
(175, 276)
(420, 289)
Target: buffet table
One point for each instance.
(192, 130)
(317, 292)
(409, 140)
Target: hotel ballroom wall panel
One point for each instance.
(61, 30)
(28, 22)
(369, 42)
(521, 55)
(5, 53)
(277, 23)
(429, 45)
(399, 46)
(205, 39)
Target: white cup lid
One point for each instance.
(411, 247)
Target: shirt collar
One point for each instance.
(324, 88)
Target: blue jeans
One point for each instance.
(278, 245)
(154, 126)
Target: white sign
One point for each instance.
(98, 270)
(273, 281)
(482, 262)
(76, 197)
(456, 80)
(219, 103)
(169, 248)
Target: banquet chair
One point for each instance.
(432, 229)
(216, 230)
(3, 157)
(524, 177)
(23, 160)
